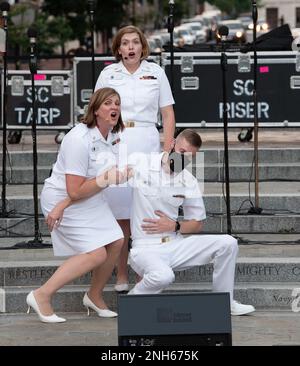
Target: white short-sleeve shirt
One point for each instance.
(154, 189)
(83, 152)
(142, 93)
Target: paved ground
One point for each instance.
(260, 329)
(264, 245)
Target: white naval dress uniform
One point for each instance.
(89, 223)
(142, 94)
(155, 257)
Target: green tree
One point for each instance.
(19, 22)
(108, 14)
(74, 13)
(53, 32)
(161, 17)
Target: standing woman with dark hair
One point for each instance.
(145, 91)
(81, 223)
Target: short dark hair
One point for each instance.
(117, 41)
(192, 137)
(96, 100)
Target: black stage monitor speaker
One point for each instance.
(185, 319)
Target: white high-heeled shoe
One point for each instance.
(103, 313)
(121, 287)
(31, 302)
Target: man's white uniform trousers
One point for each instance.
(157, 262)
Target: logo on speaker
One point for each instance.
(166, 315)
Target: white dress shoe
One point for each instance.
(121, 287)
(31, 302)
(103, 313)
(240, 309)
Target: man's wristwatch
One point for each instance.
(177, 226)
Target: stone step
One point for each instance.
(212, 173)
(250, 245)
(8, 247)
(25, 158)
(35, 273)
(24, 226)
(264, 223)
(24, 175)
(275, 197)
(243, 172)
(254, 224)
(69, 299)
(214, 204)
(267, 262)
(241, 155)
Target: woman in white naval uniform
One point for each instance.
(81, 223)
(145, 91)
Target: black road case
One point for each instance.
(54, 99)
(198, 89)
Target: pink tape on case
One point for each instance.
(264, 69)
(39, 77)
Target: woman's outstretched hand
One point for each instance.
(114, 176)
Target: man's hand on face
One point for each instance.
(157, 226)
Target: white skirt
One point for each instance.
(86, 225)
(137, 139)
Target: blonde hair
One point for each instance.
(96, 101)
(191, 136)
(125, 30)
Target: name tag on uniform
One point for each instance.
(115, 142)
(178, 195)
(148, 77)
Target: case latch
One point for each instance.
(190, 83)
(187, 64)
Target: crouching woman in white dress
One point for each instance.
(78, 216)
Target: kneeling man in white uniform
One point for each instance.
(162, 184)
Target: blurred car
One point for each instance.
(165, 38)
(161, 40)
(204, 24)
(158, 42)
(184, 34)
(236, 31)
(246, 21)
(197, 30)
(295, 32)
(152, 45)
(261, 26)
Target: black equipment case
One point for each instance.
(197, 79)
(54, 106)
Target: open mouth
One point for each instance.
(113, 114)
(131, 54)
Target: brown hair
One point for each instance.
(117, 41)
(192, 137)
(96, 101)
